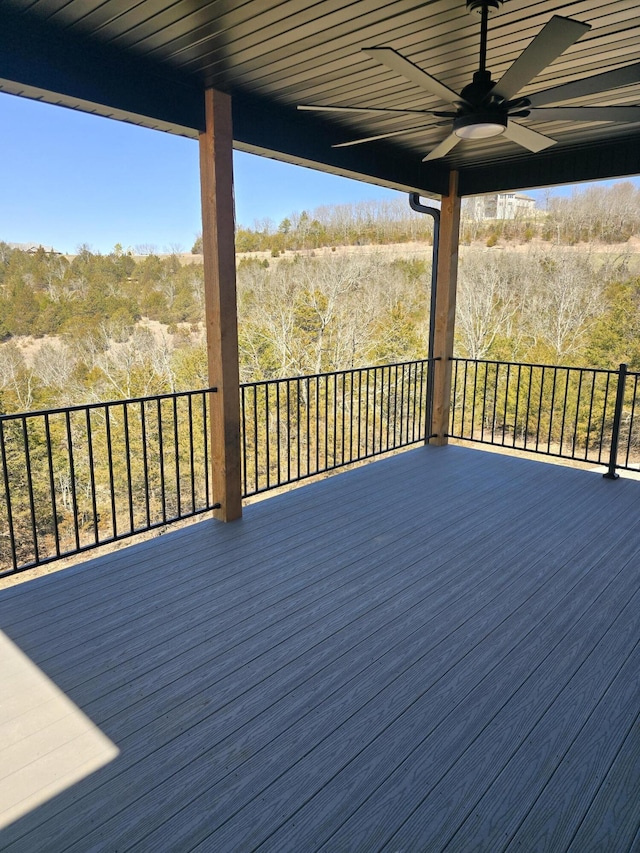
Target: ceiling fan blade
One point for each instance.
(553, 39)
(593, 85)
(392, 59)
(526, 137)
(630, 113)
(363, 110)
(440, 150)
(378, 136)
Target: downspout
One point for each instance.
(414, 203)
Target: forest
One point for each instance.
(96, 327)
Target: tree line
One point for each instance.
(358, 224)
(602, 214)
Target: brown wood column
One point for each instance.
(446, 283)
(218, 247)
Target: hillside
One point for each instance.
(95, 327)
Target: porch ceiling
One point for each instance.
(148, 62)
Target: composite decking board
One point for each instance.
(287, 509)
(352, 612)
(348, 792)
(305, 585)
(527, 772)
(196, 553)
(297, 692)
(511, 795)
(485, 755)
(236, 588)
(239, 603)
(203, 567)
(570, 792)
(112, 558)
(310, 587)
(612, 822)
(189, 584)
(200, 781)
(380, 812)
(353, 620)
(368, 624)
(206, 774)
(169, 832)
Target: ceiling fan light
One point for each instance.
(478, 127)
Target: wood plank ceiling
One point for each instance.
(149, 61)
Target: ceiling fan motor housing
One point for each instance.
(476, 91)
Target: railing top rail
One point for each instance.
(344, 372)
(82, 407)
(603, 370)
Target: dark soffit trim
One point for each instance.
(562, 166)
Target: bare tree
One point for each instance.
(491, 286)
(16, 377)
(54, 364)
(566, 300)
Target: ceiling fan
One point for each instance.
(485, 108)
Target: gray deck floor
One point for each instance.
(438, 651)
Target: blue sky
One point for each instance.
(68, 178)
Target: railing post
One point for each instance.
(615, 431)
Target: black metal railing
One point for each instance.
(625, 450)
(577, 413)
(296, 428)
(83, 476)
(78, 477)
(75, 478)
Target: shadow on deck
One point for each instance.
(435, 651)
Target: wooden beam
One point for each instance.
(218, 247)
(445, 319)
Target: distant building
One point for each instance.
(32, 248)
(500, 206)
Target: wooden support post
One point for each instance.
(446, 282)
(218, 247)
